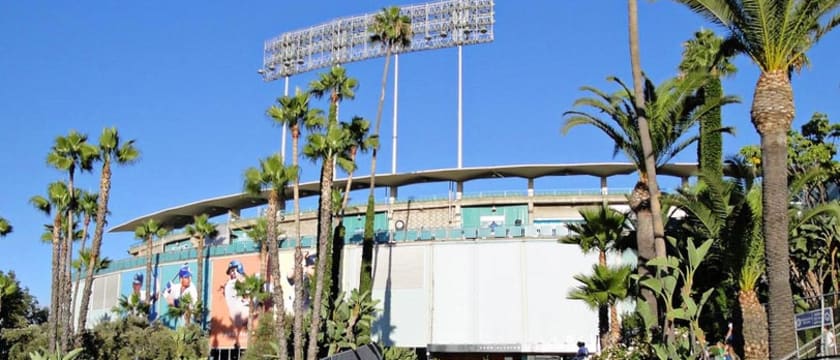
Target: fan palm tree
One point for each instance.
(69, 153)
(702, 54)
(54, 205)
(359, 141)
(258, 233)
(294, 112)
(252, 288)
(131, 305)
(111, 150)
(148, 232)
(273, 175)
(602, 290)
(327, 146)
(87, 208)
(5, 227)
(393, 31)
(601, 228)
(775, 35)
(199, 231)
(673, 108)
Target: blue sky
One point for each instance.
(180, 77)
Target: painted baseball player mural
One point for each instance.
(176, 290)
(230, 313)
(237, 305)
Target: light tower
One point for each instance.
(435, 25)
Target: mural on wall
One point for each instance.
(132, 283)
(178, 283)
(231, 314)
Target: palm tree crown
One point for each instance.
(5, 227)
(391, 28)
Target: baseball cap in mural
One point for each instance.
(138, 278)
(184, 272)
(235, 264)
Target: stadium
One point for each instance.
(458, 275)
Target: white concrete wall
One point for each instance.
(485, 292)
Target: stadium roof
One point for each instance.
(181, 215)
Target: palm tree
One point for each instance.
(602, 228)
(199, 231)
(294, 112)
(111, 150)
(149, 232)
(702, 54)
(393, 30)
(602, 290)
(673, 108)
(5, 227)
(87, 206)
(131, 305)
(775, 35)
(252, 289)
(54, 205)
(359, 140)
(69, 153)
(728, 212)
(327, 147)
(258, 233)
(275, 176)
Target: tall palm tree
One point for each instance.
(148, 232)
(111, 150)
(673, 108)
(54, 205)
(327, 146)
(775, 35)
(259, 234)
(252, 289)
(5, 227)
(359, 141)
(602, 290)
(69, 153)
(295, 112)
(199, 231)
(273, 175)
(702, 54)
(392, 30)
(87, 207)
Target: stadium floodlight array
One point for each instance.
(435, 25)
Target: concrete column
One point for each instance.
(459, 195)
(683, 182)
(393, 195)
(604, 189)
(530, 201)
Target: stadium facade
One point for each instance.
(458, 275)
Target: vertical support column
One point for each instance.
(530, 201)
(459, 195)
(392, 198)
(283, 131)
(396, 97)
(460, 108)
(604, 190)
(684, 182)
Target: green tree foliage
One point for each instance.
(399, 353)
(601, 290)
(349, 325)
(5, 227)
(19, 311)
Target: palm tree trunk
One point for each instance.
(644, 131)
(615, 325)
(710, 146)
(772, 113)
(149, 239)
(603, 326)
(365, 273)
(96, 244)
(754, 330)
(67, 311)
(645, 249)
(200, 264)
(274, 264)
(324, 227)
(56, 280)
(347, 186)
(298, 271)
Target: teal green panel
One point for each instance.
(471, 216)
(356, 224)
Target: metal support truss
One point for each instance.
(435, 25)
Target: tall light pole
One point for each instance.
(396, 103)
